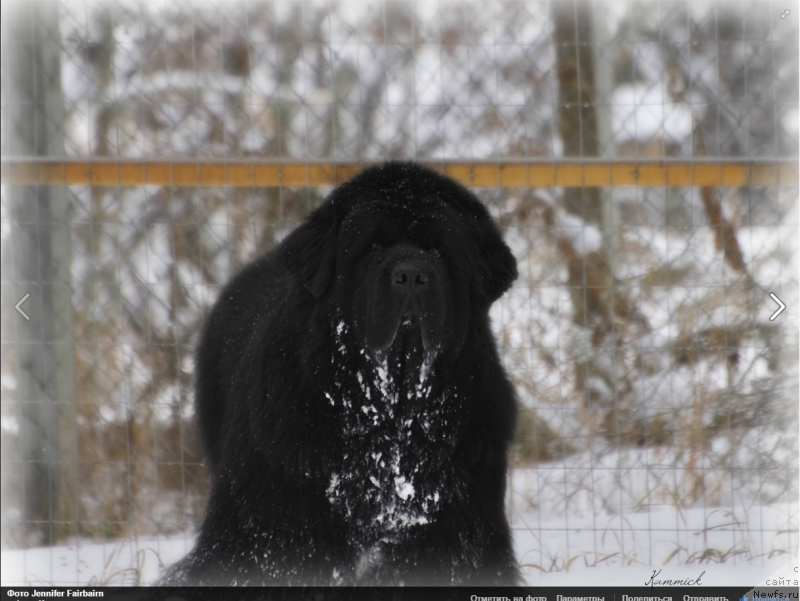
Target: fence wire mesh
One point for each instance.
(659, 401)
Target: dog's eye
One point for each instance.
(435, 252)
(375, 246)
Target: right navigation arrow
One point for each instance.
(781, 306)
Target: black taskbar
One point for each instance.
(583, 593)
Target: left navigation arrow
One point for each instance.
(18, 306)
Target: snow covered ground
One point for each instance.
(601, 550)
(585, 542)
(733, 547)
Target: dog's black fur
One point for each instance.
(354, 410)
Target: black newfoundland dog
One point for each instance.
(354, 410)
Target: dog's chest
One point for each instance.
(390, 478)
(394, 471)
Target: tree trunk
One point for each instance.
(39, 262)
(577, 116)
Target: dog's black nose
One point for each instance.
(408, 278)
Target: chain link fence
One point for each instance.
(658, 400)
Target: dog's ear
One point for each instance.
(309, 252)
(495, 266)
(498, 267)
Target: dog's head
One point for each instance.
(404, 259)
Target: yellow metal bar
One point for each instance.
(568, 173)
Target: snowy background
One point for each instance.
(659, 403)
